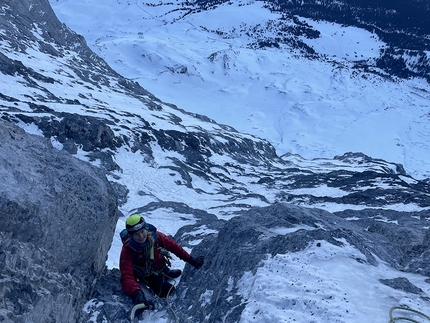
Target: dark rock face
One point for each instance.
(250, 237)
(402, 235)
(402, 284)
(73, 130)
(57, 218)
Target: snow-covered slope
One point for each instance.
(201, 61)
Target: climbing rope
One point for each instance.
(402, 308)
(168, 303)
(167, 297)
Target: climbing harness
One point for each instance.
(403, 308)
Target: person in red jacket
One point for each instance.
(142, 260)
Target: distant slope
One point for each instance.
(313, 88)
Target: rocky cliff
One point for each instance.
(247, 241)
(57, 218)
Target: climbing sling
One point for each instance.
(407, 309)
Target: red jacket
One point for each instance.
(128, 281)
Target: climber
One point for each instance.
(144, 258)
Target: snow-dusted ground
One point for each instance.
(323, 284)
(304, 107)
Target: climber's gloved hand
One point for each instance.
(139, 298)
(197, 262)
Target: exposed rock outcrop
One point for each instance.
(245, 241)
(57, 218)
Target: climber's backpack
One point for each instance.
(124, 236)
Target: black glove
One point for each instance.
(139, 298)
(197, 262)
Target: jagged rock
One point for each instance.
(57, 218)
(108, 301)
(74, 130)
(245, 240)
(404, 237)
(87, 131)
(403, 284)
(32, 289)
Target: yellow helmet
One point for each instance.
(134, 223)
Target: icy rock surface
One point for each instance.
(57, 216)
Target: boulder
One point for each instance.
(57, 219)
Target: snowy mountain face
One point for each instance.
(314, 78)
(229, 194)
